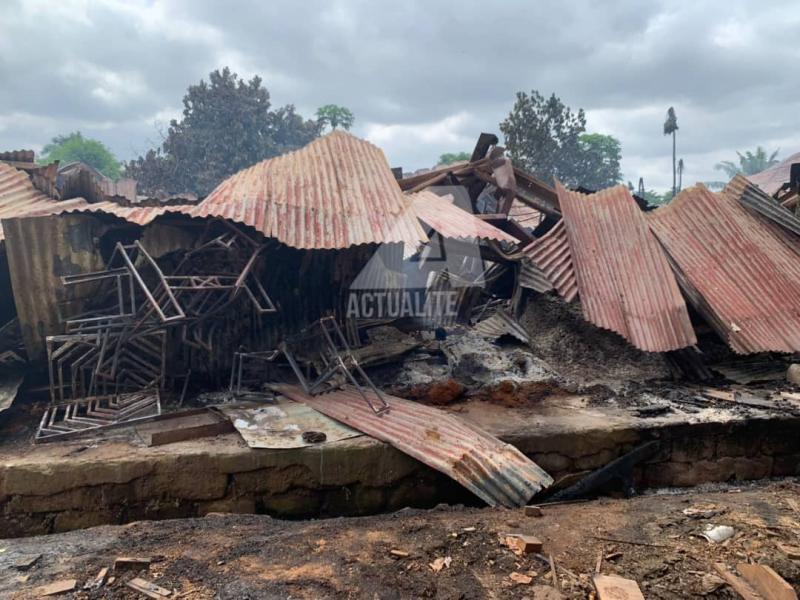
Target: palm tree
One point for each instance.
(335, 116)
(750, 163)
(670, 127)
(680, 174)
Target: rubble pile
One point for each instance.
(318, 296)
(474, 281)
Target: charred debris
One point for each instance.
(317, 274)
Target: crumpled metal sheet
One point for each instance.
(494, 471)
(499, 324)
(281, 424)
(740, 271)
(551, 255)
(20, 198)
(450, 221)
(770, 180)
(336, 192)
(533, 278)
(754, 198)
(624, 279)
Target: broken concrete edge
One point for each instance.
(352, 477)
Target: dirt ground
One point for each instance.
(650, 538)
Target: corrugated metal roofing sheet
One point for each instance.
(499, 324)
(741, 272)
(449, 220)
(624, 280)
(533, 278)
(753, 197)
(140, 215)
(19, 197)
(22, 156)
(495, 471)
(551, 254)
(336, 192)
(771, 180)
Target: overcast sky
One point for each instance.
(422, 78)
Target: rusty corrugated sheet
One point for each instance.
(770, 180)
(440, 213)
(139, 215)
(499, 324)
(336, 192)
(753, 197)
(19, 156)
(741, 272)
(40, 250)
(624, 280)
(494, 471)
(19, 197)
(551, 255)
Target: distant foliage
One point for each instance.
(335, 116)
(448, 158)
(546, 138)
(74, 147)
(750, 163)
(601, 156)
(227, 125)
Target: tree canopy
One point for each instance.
(74, 147)
(600, 156)
(548, 139)
(750, 163)
(671, 122)
(335, 116)
(227, 125)
(448, 158)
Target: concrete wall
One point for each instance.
(352, 477)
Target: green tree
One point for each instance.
(671, 128)
(750, 163)
(335, 116)
(548, 139)
(542, 136)
(600, 160)
(227, 125)
(74, 147)
(448, 158)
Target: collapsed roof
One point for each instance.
(624, 279)
(771, 180)
(628, 268)
(336, 192)
(741, 272)
(734, 255)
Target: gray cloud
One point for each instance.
(422, 78)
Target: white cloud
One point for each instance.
(732, 34)
(108, 85)
(447, 130)
(419, 145)
(422, 78)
